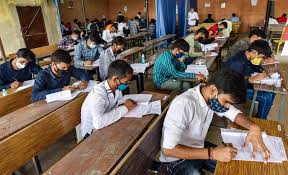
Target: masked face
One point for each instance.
(59, 71)
(179, 54)
(75, 37)
(256, 61)
(21, 63)
(91, 44)
(122, 86)
(216, 106)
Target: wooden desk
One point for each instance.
(158, 40)
(137, 36)
(14, 100)
(131, 52)
(29, 130)
(102, 151)
(257, 168)
(270, 88)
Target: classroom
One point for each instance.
(143, 87)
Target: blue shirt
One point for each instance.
(83, 53)
(47, 83)
(240, 63)
(8, 75)
(234, 19)
(167, 67)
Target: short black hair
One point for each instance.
(61, 56)
(27, 54)
(181, 44)
(284, 15)
(120, 19)
(119, 40)
(75, 20)
(262, 47)
(94, 37)
(233, 14)
(77, 32)
(139, 13)
(137, 18)
(119, 68)
(224, 24)
(204, 31)
(209, 15)
(229, 82)
(258, 33)
(153, 21)
(115, 25)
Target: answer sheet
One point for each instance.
(139, 98)
(25, 84)
(196, 69)
(144, 109)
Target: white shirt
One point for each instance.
(107, 36)
(192, 17)
(273, 21)
(121, 27)
(188, 120)
(100, 108)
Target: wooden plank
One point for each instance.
(246, 167)
(103, 149)
(14, 100)
(36, 137)
(131, 51)
(158, 40)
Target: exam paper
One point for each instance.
(237, 138)
(274, 79)
(139, 98)
(139, 67)
(25, 84)
(209, 47)
(196, 69)
(145, 109)
(213, 54)
(285, 49)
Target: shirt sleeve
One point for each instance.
(3, 84)
(175, 123)
(62, 43)
(78, 55)
(177, 74)
(40, 91)
(80, 74)
(104, 62)
(230, 114)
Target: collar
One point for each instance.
(201, 99)
(112, 53)
(107, 87)
(10, 65)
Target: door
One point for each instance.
(32, 26)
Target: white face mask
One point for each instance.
(19, 65)
(92, 46)
(75, 38)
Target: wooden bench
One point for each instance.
(125, 147)
(26, 132)
(15, 100)
(152, 44)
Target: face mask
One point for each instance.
(179, 55)
(221, 29)
(122, 86)
(119, 51)
(201, 38)
(215, 105)
(256, 61)
(92, 46)
(75, 38)
(59, 72)
(19, 65)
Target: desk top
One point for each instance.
(22, 117)
(158, 40)
(138, 35)
(257, 168)
(131, 51)
(104, 148)
(9, 91)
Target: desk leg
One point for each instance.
(281, 109)
(140, 82)
(98, 73)
(37, 164)
(253, 103)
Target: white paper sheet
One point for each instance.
(237, 138)
(139, 98)
(94, 64)
(25, 84)
(196, 69)
(274, 79)
(139, 67)
(213, 54)
(285, 49)
(145, 109)
(209, 47)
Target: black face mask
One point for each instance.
(201, 39)
(59, 72)
(118, 52)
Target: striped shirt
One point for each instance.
(167, 67)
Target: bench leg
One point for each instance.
(140, 82)
(37, 164)
(253, 103)
(281, 109)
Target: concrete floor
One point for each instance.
(58, 150)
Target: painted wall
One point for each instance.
(281, 6)
(10, 29)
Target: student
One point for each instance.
(134, 26)
(122, 26)
(192, 40)
(184, 150)
(243, 44)
(110, 55)
(139, 15)
(88, 51)
(19, 69)
(216, 29)
(100, 107)
(283, 18)
(209, 19)
(75, 26)
(108, 34)
(192, 18)
(246, 63)
(57, 76)
(226, 32)
(152, 28)
(234, 18)
(169, 66)
(69, 41)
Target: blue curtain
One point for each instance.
(193, 4)
(182, 17)
(165, 17)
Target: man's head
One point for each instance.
(23, 57)
(114, 28)
(139, 13)
(227, 87)
(259, 49)
(284, 15)
(201, 34)
(118, 44)
(256, 34)
(153, 21)
(75, 21)
(93, 40)
(75, 35)
(61, 62)
(233, 14)
(119, 74)
(192, 10)
(222, 26)
(179, 47)
(209, 15)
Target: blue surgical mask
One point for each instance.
(122, 86)
(179, 55)
(215, 105)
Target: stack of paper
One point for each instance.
(25, 85)
(209, 47)
(274, 79)
(139, 67)
(145, 109)
(237, 139)
(197, 69)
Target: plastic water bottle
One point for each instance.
(4, 92)
(143, 59)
